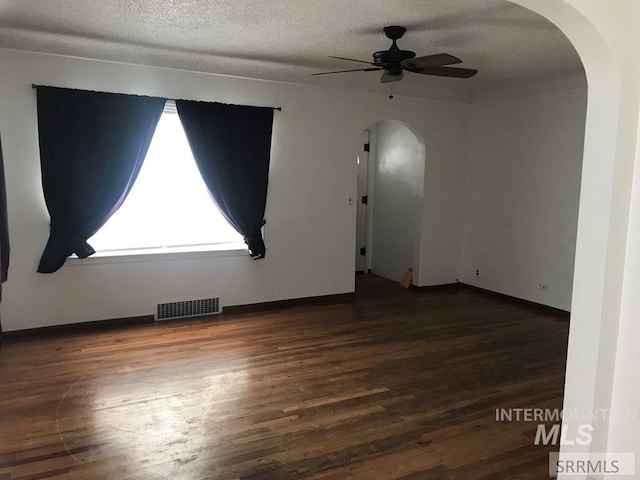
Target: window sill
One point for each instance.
(165, 253)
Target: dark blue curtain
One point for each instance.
(92, 145)
(231, 145)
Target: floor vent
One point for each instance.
(188, 308)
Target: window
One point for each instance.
(169, 204)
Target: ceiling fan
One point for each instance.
(395, 62)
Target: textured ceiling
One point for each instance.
(288, 40)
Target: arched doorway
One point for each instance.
(598, 271)
(391, 169)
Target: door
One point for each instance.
(361, 204)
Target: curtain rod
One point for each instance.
(33, 85)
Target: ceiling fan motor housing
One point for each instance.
(391, 59)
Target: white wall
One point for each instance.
(310, 227)
(398, 181)
(525, 159)
(441, 233)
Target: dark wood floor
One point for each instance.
(399, 385)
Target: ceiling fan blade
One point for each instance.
(447, 72)
(437, 60)
(354, 60)
(371, 69)
(386, 78)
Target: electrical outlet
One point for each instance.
(477, 272)
(544, 287)
(350, 200)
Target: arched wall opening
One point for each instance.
(598, 268)
(602, 224)
(391, 171)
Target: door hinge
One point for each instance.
(363, 251)
(366, 147)
(365, 199)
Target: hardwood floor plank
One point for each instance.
(319, 402)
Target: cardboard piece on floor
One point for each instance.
(407, 279)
